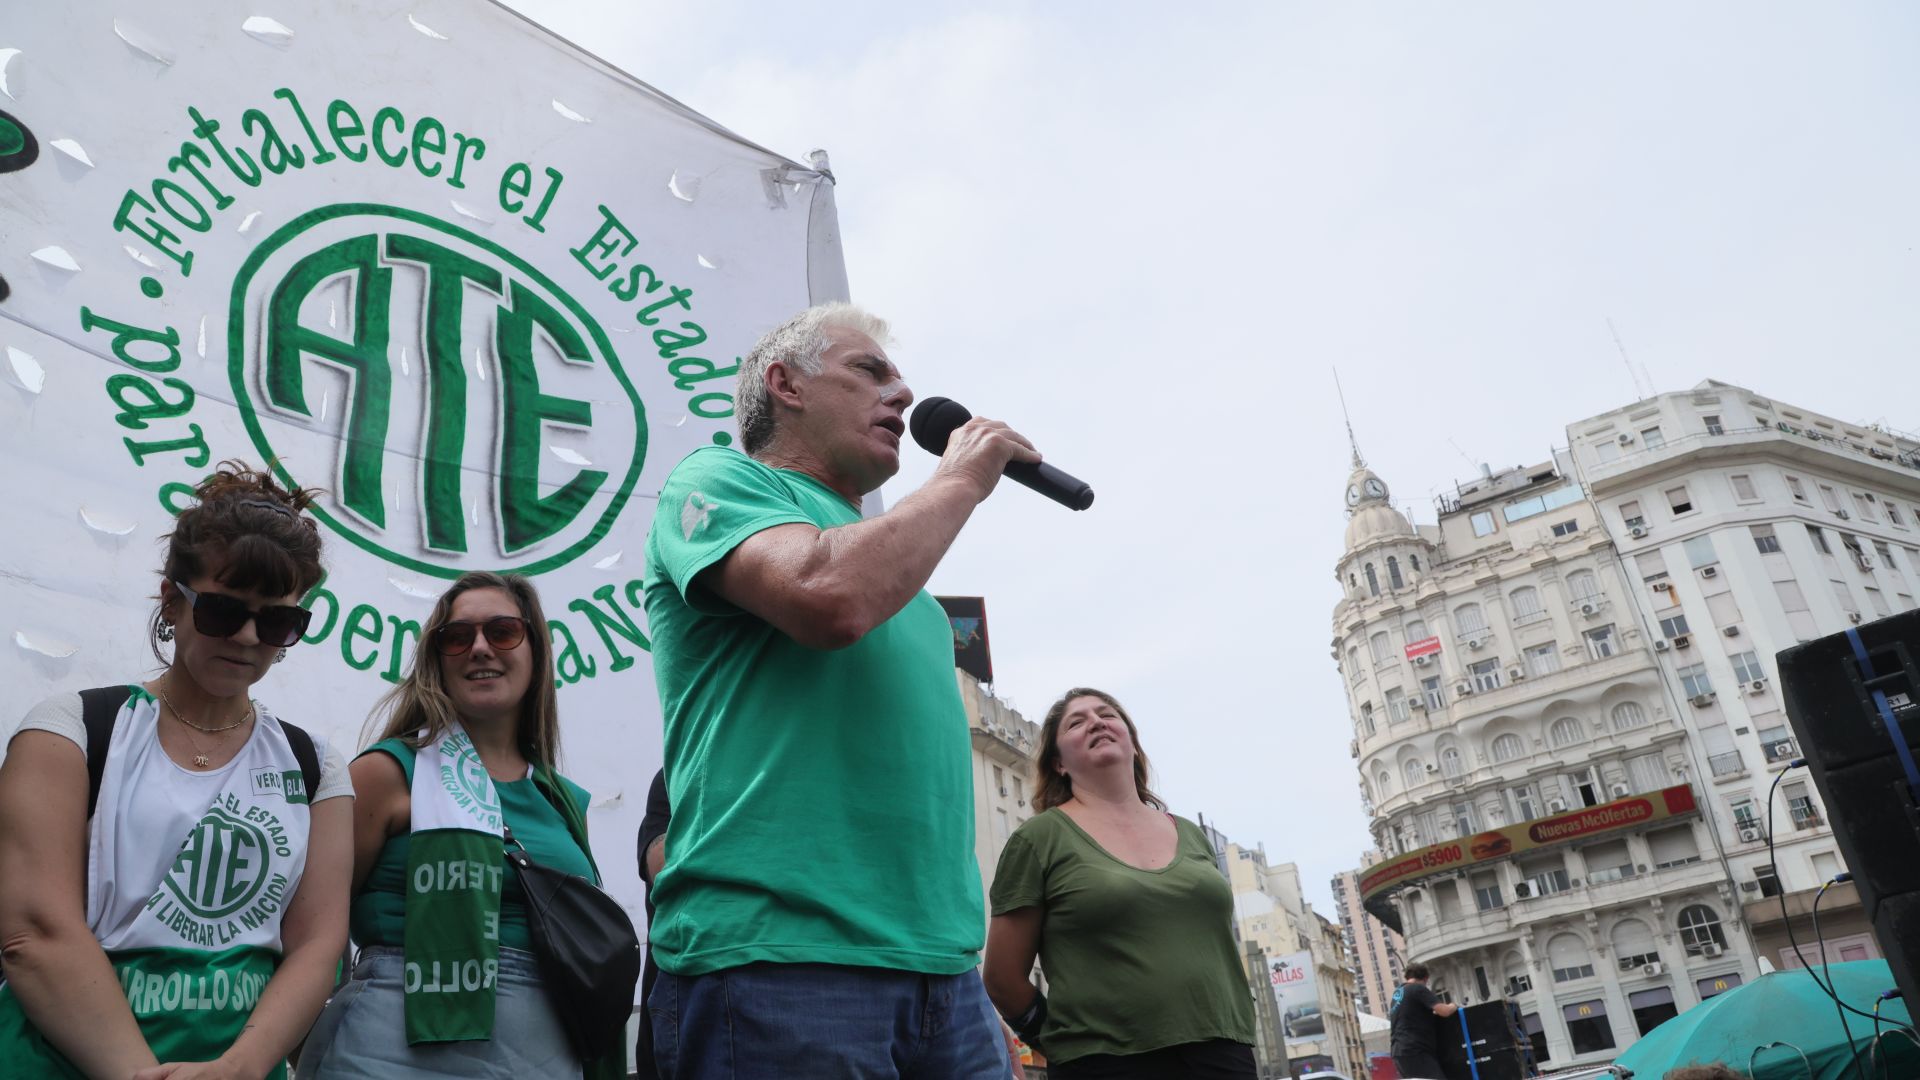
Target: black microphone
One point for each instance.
(936, 419)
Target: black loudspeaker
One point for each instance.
(1489, 1038)
(1852, 754)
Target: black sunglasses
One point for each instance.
(219, 615)
(503, 632)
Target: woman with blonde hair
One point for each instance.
(1127, 911)
(174, 856)
(446, 983)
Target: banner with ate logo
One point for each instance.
(482, 288)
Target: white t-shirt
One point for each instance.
(61, 715)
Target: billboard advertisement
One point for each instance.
(1296, 992)
(480, 287)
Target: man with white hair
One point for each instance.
(819, 911)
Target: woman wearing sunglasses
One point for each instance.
(174, 858)
(445, 983)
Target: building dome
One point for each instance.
(1372, 515)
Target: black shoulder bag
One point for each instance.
(589, 954)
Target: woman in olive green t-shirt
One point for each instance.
(1127, 911)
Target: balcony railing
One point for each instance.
(1727, 764)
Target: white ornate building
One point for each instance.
(1530, 779)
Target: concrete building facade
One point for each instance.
(1745, 526)
(1004, 746)
(1530, 780)
(1274, 922)
(1378, 952)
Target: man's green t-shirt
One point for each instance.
(1136, 960)
(822, 809)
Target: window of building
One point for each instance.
(1630, 514)
(1694, 681)
(1526, 605)
(1826, 866)
(1746, 812)
(1366, 718)
(1713, 425)
(1652, 438)
(1894, 518)
(1452, 765)
(1543, 659)
(1415, 773)
(1700, 927)
(1886, 555)
(1373, 581)
(1530, 1023)
(1567, 528)
(1585, 785)
(1396, 706)
(1414, 561)
(1830, 497)
(1430, 689)
(1466, 821)
(1746, 667)
(1715, 985)
(1393, 573)
(1672, 626)
(1743, 487)
(1633, 943)
(1469, 619)
(1651, 1007)
(1796, 489)
(1673, 847)
(1569, 958)
(1679, 501)
(1700, 551)
(1600, 642)
(1486, 892)
(1521, 509)
(1852, 544)
(1877, 601)
(1608, 862)
(1844, 596)
(1864, 503)
(1525, 798)
(1484, 674)
(1416, 631)
(1647, 772)
(1381, 647)
(1507, 747)
(1628, 715)
(1800, 806)
(1819, 538)
(1383, 783)
(1583, 584)
(1354, 673)
(1566, 731)
(1482, 522)
(1764, 539)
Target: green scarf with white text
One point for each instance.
(454, 873)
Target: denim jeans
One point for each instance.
(800, 1021)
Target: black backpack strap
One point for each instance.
(99, 708)
(305, 753)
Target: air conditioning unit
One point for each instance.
(1422, 661)
(1523, 890)
(1655, 968)
(1589, 609)
(1476, 643)
(1709, 571)
(1757, 686)
(1662, 645)
(1463, 689)
(1749, 835)
(1433, 768)
(1865, 561)
(1557, 806)
(1619, 791)
(1003, 793)
(1842, 514)
(1417, 703)
(1625, 438)
(1853, 617)
(1516, 673)
(1711, 950)
(1781, 749)
(1731, 631)
(1701, 701)
(1681, 641)
(1637, 531)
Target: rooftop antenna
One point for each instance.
(1642, 384)
(1358, 461)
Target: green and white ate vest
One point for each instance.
(188, 875)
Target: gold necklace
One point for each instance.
(200, 758)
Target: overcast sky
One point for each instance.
(1145, 235)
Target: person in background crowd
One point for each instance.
(191, 908)
(1127, 911)
(469, 744)
(819, 910)
(1416, 1014)
(653, 855)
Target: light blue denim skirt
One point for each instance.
(362, 1034)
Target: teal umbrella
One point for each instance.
(1785, 1026)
